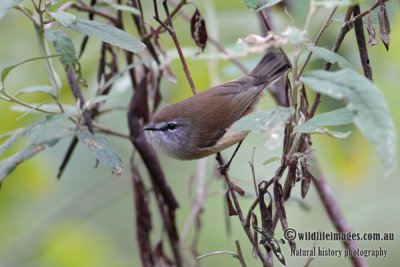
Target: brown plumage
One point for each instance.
(201, 121)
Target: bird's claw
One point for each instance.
(223, 169)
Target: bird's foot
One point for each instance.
(223, 169)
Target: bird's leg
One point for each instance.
(224, 168)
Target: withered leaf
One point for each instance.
(161, 258)
(305, 182)
(199, 31)
(255, 236)
(384, 26)
(371, 32)
(143, 218)
(265, 210)
(238, 189)
(231, 209)
(280, 208)
(291, 176)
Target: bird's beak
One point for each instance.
(149, 127)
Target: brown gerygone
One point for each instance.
(198, 126)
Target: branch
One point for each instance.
(337, 218)
(93, 11)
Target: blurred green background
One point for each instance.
(87, 217)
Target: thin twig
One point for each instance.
(176, 10)
(106, 130)
(239, 211)
(170, 29)
(85, 8)
(198, 203)
(253, 172)
(318, 37)
(343, 31)
(214, 42)
(218, 253)
(239, 254)
(366, 12)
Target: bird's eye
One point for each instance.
(171, 126)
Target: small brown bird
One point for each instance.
(198, 126)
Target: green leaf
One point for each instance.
(51, 107)
(125, 8)
(6, 5)
(372, 117)
(268, 4)
(294, 35)
(63, 45)
(40, 88)
(254, 4)
(15, 135)
(36, 130)
(51, 125)
(337, 117)
(261, 120)
(7, 70)
(333, 3)
(312, 167)
(271, 159)
(97, 99)
(339, 135)
(64, 18)
(101, 150)
(329, 56)
(9, 164)
(101, 31)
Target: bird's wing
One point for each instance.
(232, 100)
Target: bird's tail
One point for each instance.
(272, 66)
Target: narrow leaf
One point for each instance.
(332, 3)
(101, 31)
(7, 70)
(337, 117)
(238, 189)
(6, 5)
(231, 209)
(384, 26)
(261, 120)
(251, 3)
(329, 56)
(14, 137)
(198, 30)
(143, 218)
(125, 8)
(372, 117)
(294, 35)
(51, 107)
(269, 4)
(9, 164)
(101, 149)
(306, 181)
(63, 45)
(336, 134)
(272, 159)
(371, 32)
(40, 88)
(96, 99)
(64, 18)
